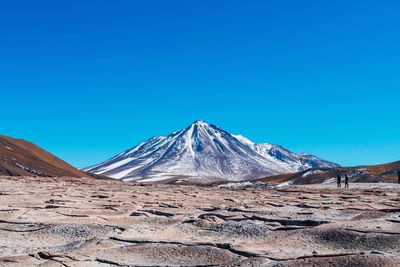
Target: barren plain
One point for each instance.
(89, 222)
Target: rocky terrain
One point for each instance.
(89, 222)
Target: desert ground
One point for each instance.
(88, 222)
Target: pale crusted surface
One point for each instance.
(81, 222)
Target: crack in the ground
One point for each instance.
(110, 262)
(284, 222)
(73, 215)
(23, 231)
(11, 222)
(225, 246)
(114, 263)
(41, 226)
(372, 232)
(314, 256)
(158, 213)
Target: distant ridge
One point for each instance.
(203, 152)
(22, 158)
(361, 174)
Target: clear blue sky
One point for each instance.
(88, 79)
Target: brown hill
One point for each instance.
(21, 158)
(373, 173)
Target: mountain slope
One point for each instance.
(361, 174)
(203, 152)
(21, 158)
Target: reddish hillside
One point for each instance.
(21, 158)
(373, 173)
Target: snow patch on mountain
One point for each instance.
(204, 152)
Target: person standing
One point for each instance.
(338, 180)
(346, 181)
(398, 177)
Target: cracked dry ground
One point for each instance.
(82, 222)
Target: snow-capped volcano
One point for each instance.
(204, 152)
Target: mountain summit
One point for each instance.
(203, 152)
